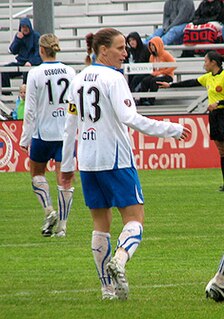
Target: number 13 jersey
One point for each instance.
(102, 108)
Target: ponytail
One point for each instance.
(89, 46)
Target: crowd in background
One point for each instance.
(179, 19)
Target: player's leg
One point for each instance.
(41, 189)
(101, 243)
(129, 200)
(127, 244)
(220, 147)
(65, 196)
(215, 287)
(65, 199)
(101, 249)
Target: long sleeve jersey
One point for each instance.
(102, 109)
(46, 102)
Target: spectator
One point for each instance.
(137, 53)
(176, 15)
(18, 113)
(43, 129)
(149, 82)
(25, 47)
(209, 10)
(102, 109)
(208, 19)
(213, 80)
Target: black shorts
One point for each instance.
(216, 122)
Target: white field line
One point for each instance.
(84, 291)
(52, 241)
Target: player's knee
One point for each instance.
(38, 180)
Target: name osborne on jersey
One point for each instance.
(55, 71)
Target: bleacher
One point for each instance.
(75, 18)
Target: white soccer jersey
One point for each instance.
(103, 110)
(46, 102)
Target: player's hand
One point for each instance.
(164, 85)
(186, 132)
(27, 63)
(24, 148)
(67, 179)
(212, 107)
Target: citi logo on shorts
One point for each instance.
(90, 135)
(60, 112)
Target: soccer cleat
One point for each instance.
(117, 274)
(221, 188)
(49, 223)
(59, 234)
(214, 290)
(108, 293)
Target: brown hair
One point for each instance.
(102, 37)
(50, 43)
(215, 56)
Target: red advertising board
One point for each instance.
(198, 151)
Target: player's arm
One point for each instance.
(126, 111)
(68, 150)
(29, 113)
(186, 83)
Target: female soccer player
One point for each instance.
(43, 128)
(213, 80)
(102, 109)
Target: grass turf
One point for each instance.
(56, 278)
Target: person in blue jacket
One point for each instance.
(25, 46)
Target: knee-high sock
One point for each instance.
(42, 191)
(129, 240)
(101, 249)
(65, 199)
(221, 267)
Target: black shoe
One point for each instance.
(147, 101)
(214, 292)
(221, 188)
(187, 54)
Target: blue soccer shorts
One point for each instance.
(43, 151)
(111, 188)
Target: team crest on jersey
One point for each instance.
(218, 88)
(72, 109)
(127, 102)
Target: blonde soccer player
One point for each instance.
(43, 129)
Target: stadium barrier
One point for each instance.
(198, 151)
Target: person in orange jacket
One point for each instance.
(157, 54)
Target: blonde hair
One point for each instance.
(22, 87)
(50, 43)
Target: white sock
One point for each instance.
(221, 267)
(101, 248)
(121, 256)
(128, 241)
(42, 191)
(65, 199)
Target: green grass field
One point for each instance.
(182, 244)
